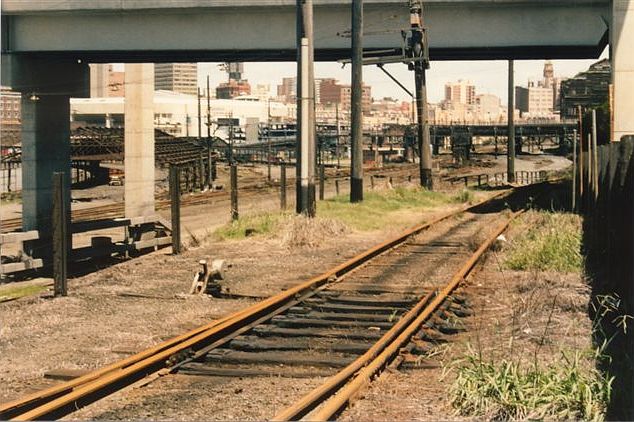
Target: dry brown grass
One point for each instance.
(303, 232)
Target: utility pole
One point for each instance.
(595, 170)
(61, 220)
(209, 175)
(574, 171)
(305, 144)
(231, 142)
(510, 161)
(580, 154)
(356, 176)
(175, 205)
(419, 51)
(200, 129)
(208, 112)
(268, 140)
(338, 151)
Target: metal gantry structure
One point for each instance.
(415, 55)
(305, 146)
(420, 53)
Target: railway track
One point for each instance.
(348, 323)
(249, 186)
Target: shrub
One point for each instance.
(570, 388)
(551, 242)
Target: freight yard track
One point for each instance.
(393, 301)
(249, 187)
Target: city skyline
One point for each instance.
(489, 77)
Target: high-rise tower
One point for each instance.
(177, 77)
(549, 74)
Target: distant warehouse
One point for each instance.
(588, 89)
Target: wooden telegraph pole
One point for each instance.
(356, 176)
(510, 159)
(419, 51)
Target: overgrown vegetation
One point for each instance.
(569, 388)
(249, 225)
(566, 381)
(335, 215)
(551, 241)
(304, 232)
(374, 212)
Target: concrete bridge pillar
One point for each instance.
(622, 56)
(46, 86)
(45, 150)
(139, 140)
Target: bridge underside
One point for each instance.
(326, 55)
(265, 30)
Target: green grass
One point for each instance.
(552, 241)
(569, 388)
(18, 292)
(257, 224)
(376, 210)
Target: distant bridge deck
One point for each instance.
(551, 129)
(501, 129)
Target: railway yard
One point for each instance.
(327, 319)
(275, 211)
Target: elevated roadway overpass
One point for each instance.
(264, 30)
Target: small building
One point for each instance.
(332, 92)
(10, 116)
(177, 114)
(232, 89)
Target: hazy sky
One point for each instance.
(488, 76)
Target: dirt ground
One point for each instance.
(125, 308)
(120, 310)
(253, 398)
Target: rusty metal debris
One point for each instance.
(207, 281)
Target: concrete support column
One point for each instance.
(139, 139)
(46, 85)
(622, 56)
(45, 150)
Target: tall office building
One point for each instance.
(287, 91)
(332, 92)
(461, 92)
(177, 77)
(549, 74)
(550, 81)
(534, 101)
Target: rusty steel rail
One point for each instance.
(67, 397)
(358, 374)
